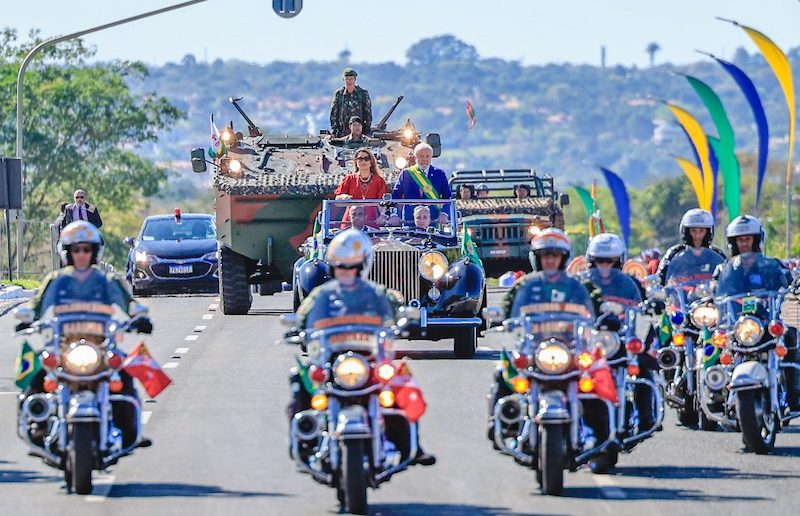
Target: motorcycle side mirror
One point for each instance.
(610, 307)
(289, 320)
(128, 241)
(704, 290)
(652, 281)
(493, 315)
(24, 314)
(657, 293)
(139, 310)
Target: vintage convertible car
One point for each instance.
(423, 263)
(500, 223)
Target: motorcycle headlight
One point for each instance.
(608, 340)
(705, 315)
(552, 357)
(432, 265)
(141, 257)
(748, 331)
(350, 371)
(81, 359)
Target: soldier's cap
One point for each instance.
(482, 186)
(349, 72)
(355, 118)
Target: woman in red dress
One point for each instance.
(366, 182)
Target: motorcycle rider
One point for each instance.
(696, 233)
(81, 281)
(605, 281)
(746, 238)
(349, 293)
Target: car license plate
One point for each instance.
(180, 269)
(501, 251)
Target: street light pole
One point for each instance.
(21, 76)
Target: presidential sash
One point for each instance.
(423, 183)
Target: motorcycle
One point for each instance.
(563, 410)
(746, 391)
(70, 425)
(358, 432)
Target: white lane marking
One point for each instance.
(198, 329)
(171, 365)
(213, 307)
(102, 485)
(180, 351)
(192, 337)
(208, 317)
(484, 348)
(608, 487)
(146, 416)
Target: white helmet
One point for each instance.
(79, 232)
(606, 245)
(746, 225)
(350, 248)
(696, 218)
(550, 239)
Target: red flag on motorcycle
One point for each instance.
(604, 385)
(141, 365)
(409, 398)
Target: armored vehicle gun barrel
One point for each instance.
(382, 124)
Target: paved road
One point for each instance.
(220, 442)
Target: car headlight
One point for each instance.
(81, 359)
(432, 265)
(704, 316)
(141, 257)
(608, 340)
(212, 256)
(748, 331)
(401, 162)
(350, 371)
(553, 357)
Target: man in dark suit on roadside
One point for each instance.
(81, 210)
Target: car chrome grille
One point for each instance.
(397, 269)
(503, 233)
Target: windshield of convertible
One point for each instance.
(184, 229)
(414, 217)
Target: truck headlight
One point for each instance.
(432, 265)
(350, 371)
(552, 357)
(748, 331)
(81, 359)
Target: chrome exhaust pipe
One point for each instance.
(715, 378)
(509, 410)
(37, 408)
(307, 426)
(668, 358)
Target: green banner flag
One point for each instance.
(664, 330)
(586, 197)
(302, 370)
(710, 351)
(27, 366)
(509, 371)
(469, 250)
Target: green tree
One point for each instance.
(82, 126)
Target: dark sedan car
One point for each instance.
(173, 253)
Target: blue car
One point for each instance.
(173, 253)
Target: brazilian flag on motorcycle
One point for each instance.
(664, 330)
(710, 351)
(508, 369)
(302, 371)
(27, 366)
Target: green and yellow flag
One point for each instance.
(509, 371)
(27, 366)
(664, 330)
(710, 351)
(469, 250)
(302, 370)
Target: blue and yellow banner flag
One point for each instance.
(27, 366)
(469, 250)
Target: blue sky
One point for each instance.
(533, 31)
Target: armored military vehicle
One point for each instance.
(269, 189)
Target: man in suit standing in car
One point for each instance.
(81, 210)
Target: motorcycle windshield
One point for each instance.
(690, 267)
(554, 320)
(616, 286)
(750, 272)
(371, 341)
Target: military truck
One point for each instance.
(268, 191)
(502, 225)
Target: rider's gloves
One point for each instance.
(142, 325)
(22, 326)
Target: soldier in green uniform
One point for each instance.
(356, 137)
(348, 101)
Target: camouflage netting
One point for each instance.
(544, 207)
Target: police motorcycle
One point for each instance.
(747, 390)
(78, 422)
(361, 427)
(686, 317)
(622, 320)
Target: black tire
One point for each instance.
(484, 303)
(465, 342)
(295, 297)
(704, 423)
(551, 461)
(605, 462)
(353, 482)
(757, 435)
(235, 296)
(687, 415)
(80, 458)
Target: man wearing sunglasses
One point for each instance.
(81, 210)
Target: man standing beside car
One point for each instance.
(348, 101)
(423, 181)
(81, 210)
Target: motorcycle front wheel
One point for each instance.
(758, 426)
(80, 458)
(353, 481)
(551, 459)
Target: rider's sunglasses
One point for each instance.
(347, 267)
(81, 249)
(79, 197)
(362, 158)
(604, 260)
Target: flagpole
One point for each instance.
(21, 77)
